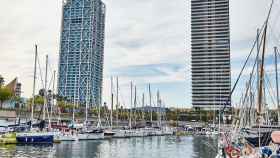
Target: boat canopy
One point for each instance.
(276, 137)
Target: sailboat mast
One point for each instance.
(259, 109)
(99, 110)
(220, 104)
(158, 106)
(258, 58)
(135, 102)
(143, 105)
(74, 101)
(131, 102)
(260, 97)
(150, 99)
(87, 101)
(277, 86)
(34, 84)
(52, 106)
(46, 91)
(112, 103)
(117, 104)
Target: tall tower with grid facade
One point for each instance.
(210, 30)
(81, 54)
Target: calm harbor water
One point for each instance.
(149, 147)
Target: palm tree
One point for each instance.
(38, 102)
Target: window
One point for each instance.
(76, 20)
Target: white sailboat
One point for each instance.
(70, 135)
(90, 134)
(94, 134)
(109, 133)
(130, 132)
(118, 133)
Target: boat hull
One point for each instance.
(265, 139)
(66, 137)
(91, 136)
(122, 134)
(35, 138)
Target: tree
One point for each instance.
(1, 81)
(5, 94)
(39, 100)
(63, 105)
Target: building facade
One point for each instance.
(15, 87)
(210, 31)
(81, 51)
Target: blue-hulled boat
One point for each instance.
(35, 138)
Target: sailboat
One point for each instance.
(93, 134)
(109, 133)
(35, 135)
(117, 132)
(87, 133)
(253, 139)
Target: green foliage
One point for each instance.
(65, 105)
(61, 104)
(172, 115)
(5, 94)
(60, 98)
(94, 111)
(39, 101)
(16, 99)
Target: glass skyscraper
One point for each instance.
(211, 77)
(81, 51)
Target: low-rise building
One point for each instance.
(15, 88)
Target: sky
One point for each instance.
(147, 41)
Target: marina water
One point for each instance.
(148, 147)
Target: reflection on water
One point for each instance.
(204, 147)
(150, 147)
(27, 151)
